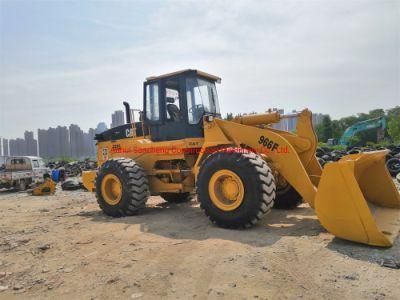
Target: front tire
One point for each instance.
(122, 188)
(287, 198)
(235, 189)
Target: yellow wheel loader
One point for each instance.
(240, 168)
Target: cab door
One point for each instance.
(38, 171)
(165, 110)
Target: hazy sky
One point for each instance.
(75, 62)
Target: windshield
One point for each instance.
(201, 98)
(41, 163)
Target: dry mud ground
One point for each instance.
(63, 247)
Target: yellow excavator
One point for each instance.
(239, 168)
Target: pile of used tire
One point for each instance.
(72, 172)
(75, 168)
(393, 160)
(72, 184)
(326, 155)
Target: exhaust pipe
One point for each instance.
(127, 112)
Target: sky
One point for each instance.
(64, 62)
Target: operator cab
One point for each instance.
(175, 103)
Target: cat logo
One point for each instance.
(194, 144)
(129, 132)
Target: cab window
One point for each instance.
(172, 97)
(20, 164)
(201, 98)
(152, 103)
(172, 104)
(17, 161)
(41, 163)
(35, 164)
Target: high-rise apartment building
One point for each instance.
(117, 118)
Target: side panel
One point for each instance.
(148, 154)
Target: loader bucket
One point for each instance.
(358, 201)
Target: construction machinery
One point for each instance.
(48, 187)
(240, 169)
(376, 123)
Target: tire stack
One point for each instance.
(326, 155)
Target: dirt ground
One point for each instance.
(63, 247)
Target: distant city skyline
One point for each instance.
(61, 141)
(55, 142)
(101, 126)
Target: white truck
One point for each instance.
(22, 171)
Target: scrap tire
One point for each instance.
(177, 197)
(354, 151)
(321, 161)
(393, 166)
(287, 198)
(135, 187)
(258, 182)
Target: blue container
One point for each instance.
(55, 175)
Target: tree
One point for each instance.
(393, 117)
(354, 140)
(318, 131)
(229, 116)
(337, 129)
(324, 130)
(376, 113)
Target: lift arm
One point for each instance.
(292, 155)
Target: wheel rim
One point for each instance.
(226, 190)
(111, 189)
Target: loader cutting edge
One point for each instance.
(358, 201)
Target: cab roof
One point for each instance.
(20, 156)
(189, 72)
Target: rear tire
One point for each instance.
(177, 197)
(258, 188)
(133, 192)
(22, 185)
(287, 198)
